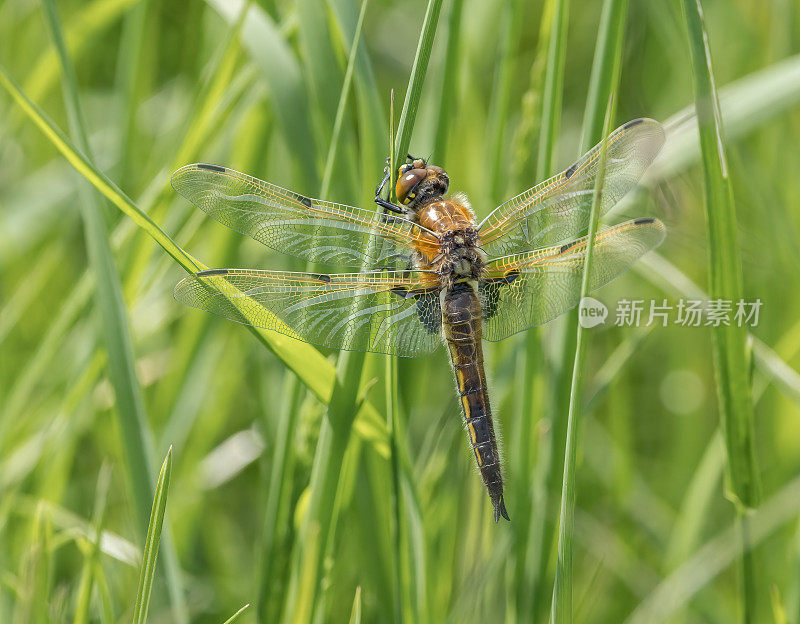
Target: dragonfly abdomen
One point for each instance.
(461, 320)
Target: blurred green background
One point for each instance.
(406, 532)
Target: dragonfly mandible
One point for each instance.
(427, 273)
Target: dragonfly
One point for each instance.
(425, 272)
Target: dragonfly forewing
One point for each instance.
(291, 223)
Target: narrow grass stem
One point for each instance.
(135, 432)
(562, 607)
(731, 357)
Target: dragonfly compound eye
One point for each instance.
(407, 184)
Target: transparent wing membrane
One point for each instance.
(529, 289)
(557, 210)
(534, 277)
(311, 229)
(387, 312)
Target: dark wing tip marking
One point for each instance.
(633, 122)
(644, 220)
(303, 200)
(566, 246)
(322, 277)
(568, 173)
(211, 167)
(211, 272)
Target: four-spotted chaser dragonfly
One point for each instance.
(428, 272)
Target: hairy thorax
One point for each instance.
(460, 256)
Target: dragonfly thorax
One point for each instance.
(460, 258)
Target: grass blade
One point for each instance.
(275, 514)
(84, 166)
(546, 474)
(150, 553)
(236, 615)
(553, 89)
(715, 556)
(309, 364)
(283, 75)
(605, 66)
(134, 428)
(449, 83)
(414, 91)
(561, 609)
(355, 614)
(319, 521)
(90, 559)
(342, 106)
(731, 358)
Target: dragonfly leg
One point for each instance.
(386, 205)
(386, 174)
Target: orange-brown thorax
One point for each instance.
(446, 215)
(454, 253)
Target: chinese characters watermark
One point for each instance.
(684, 312)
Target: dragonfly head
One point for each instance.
(418, 181)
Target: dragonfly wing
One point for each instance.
(525, 290)
(383, 312)
(557, 210)
(311, 229)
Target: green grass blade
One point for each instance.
(80, 30)
(504, 82)
(561, 611)
(84, 166)
(449, 83)
(134, 428)
(90, 559)
(342, 106)
(236, 615)
(150, 553)
(414, 90)
(553, 89)
(731, 359)
(355, 613)
(605, 66)
(670, 279)
(281, 69)
(308, 363)
(320, 519)
(130, 77)
(715, 556)
(546, 475)
(745, 104)
(275, 517)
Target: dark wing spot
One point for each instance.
(568, 173)
(211, 272)
(322, 277)
(566, 246)
(643, 221)
(511, 276)
(211, 167)
(400, 291)
(490, 291)
(632, 123)
(303, 200)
